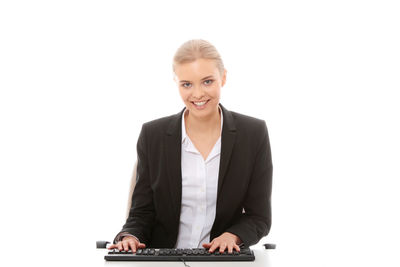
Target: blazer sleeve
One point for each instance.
(142, 213)
(255, 220)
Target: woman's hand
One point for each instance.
(226, 240)
(128, 242)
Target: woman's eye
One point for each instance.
(186, 85)
(208, 82)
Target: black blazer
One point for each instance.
(244, 182)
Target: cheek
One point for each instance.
(184, 94)
(215, 91)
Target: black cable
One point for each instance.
(184, 262)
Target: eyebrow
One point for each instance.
(209, 76)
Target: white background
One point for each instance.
(78, 79)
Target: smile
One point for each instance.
(200, 104)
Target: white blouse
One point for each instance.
(199, 192)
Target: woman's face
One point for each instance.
(199, 85)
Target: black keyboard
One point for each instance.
(167, 254)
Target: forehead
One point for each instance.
(197, 69)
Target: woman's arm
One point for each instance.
(141, 216)
(255, 221)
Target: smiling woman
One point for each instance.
(200, 85)
(204, 175)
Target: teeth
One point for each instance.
(199, 103)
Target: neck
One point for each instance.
(203, 125)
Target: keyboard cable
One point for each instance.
(186, 265)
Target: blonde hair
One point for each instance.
(195, 49)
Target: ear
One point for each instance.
(224, 78)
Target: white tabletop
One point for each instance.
(262, 259)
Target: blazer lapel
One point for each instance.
(228, 137)
(173, 143)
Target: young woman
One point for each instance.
(204, 175)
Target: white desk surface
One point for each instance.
(262, 260)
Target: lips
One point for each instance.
(200, 104)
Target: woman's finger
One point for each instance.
(230, 248)
(132, 244)
(222, 247)
(125, 244)
(214, 245)
(119, 245)
(206, 245)
(236, 247)
(112, 246)
(141, 245)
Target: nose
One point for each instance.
(198, 92)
